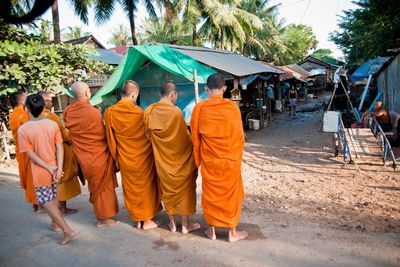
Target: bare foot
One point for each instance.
(239, 235)
(67, 237)
(106, 223)
(138, 225)
(172, 227)
(210, 234)
(34, 207)
(150, 224)
(55, 228)
(190, 228)
(67, 211)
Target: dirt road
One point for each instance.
(303, 208)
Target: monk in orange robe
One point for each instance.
(18, 117)
(173, 152)
(133, 155)
(68, 186)
(218, 141)
(89, 143)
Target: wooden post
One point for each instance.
(196, 87)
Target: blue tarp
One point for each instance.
(364, 70)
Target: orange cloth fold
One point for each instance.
(68, 186)
(18, 117)
(132, 151)
(173, 153)
(89, 144)
(218, 141)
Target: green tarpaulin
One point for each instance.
(67, 92)
(163, 56)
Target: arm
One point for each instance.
(38, 160)
(60, 161)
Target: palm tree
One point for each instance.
(105, 8)
(74, 33)
(266, 44)
(164, 31)
(225, 21)
(120, 36)
(43, 28)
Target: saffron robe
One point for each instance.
(89, 143)
(18, 117)
(68, 186)
(173, 153)
(218, 141)
(133, 155)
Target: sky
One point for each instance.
(321, 15)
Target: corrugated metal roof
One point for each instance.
(107, 56)
(226, 61)
(85, 39)
(292, 71)
(120, 49)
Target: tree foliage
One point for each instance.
(74, 32)
(161, 31)
(298, 39)
(369, 30)
(120, 36)
(25, 63)
(322, 52)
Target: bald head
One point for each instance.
(168, 92)
(18, 99)
(48, 103)
(128, 88)
(167, 88)
(81, 91)
(378, 105)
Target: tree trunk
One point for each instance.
(194, 36)
(132, 23)
(56, 22)
(222, 39)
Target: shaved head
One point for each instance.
(48, 104)
(167, 88)
(44, 93)
(129, 87)
(18, 99)
(81, 91)
(168, 91)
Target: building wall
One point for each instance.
(389, 83)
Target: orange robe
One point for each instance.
(173, 153)
(68, 186)
(218, 141)
(134, 157)
(89, 143)
(18, 117)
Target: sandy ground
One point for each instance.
(303, 208)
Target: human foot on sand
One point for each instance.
(236, 235)
(106, 223)
(210, 233)
(172, 227)
(190, 228)
(67, 237)
(150, 224)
